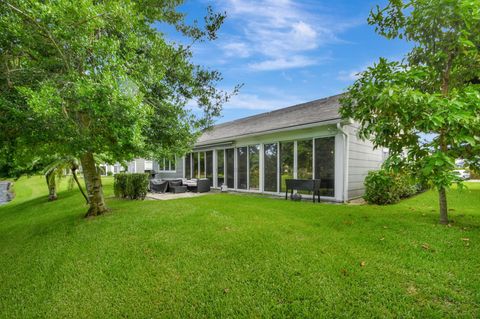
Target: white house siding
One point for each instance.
(131, 167)
(178, 173)
(140, 165)
(136, 166)
(362, 158)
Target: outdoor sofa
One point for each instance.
(163, 185)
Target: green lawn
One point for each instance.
(237, 255)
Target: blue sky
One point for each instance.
(288, 51)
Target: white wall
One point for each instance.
(362, 158)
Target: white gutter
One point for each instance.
(345, 161)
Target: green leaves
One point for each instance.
(426, 109)
(96, 76)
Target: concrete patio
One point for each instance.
(170, 196)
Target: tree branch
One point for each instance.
(45, 30)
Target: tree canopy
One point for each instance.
(426, 108)
(87, 77)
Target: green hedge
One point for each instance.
(132, 186)
(383, 187)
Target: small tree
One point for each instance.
(425, 109)
(82, 78)
(55, 171)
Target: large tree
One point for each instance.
(80, 78)
(425, 109)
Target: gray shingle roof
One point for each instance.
(317, 111)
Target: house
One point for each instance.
(138, 165)
(257, 153)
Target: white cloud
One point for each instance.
(283, 63)
(236, 49)
(348, 76)
(269, 98)
(255, 102)
(354, 74)
(281, 34)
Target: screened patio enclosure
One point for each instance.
(259, 153)
(264, 167)
(304, 141)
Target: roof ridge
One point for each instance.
(283, 109)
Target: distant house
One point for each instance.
(256, 154)
(138, 165)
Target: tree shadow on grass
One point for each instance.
(38, 216)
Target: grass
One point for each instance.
(230, 255)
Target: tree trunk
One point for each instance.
(442, 196)
(52, 187)
(74, 174)
(93, 183)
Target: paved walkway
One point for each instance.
(169, 196)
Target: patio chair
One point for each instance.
(198, 185)
(158, 186)
(174, 183)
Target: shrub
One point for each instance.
(137, 185)
(132, 186)
(120, 185)
(380, 188)
(405, 185)
(384, 187)
(109, 173)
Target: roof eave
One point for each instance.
(229, 139)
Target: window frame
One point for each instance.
(169, 170)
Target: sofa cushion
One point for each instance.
(190, 183)
(157, 181)
(175, 183)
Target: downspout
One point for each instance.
(345, 161)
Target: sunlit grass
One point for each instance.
(237, 256)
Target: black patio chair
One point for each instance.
(158, 186)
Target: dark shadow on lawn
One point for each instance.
(48, 215)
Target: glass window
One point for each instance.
(254, 163)
(188, 166)
(242, 159)
(270, 169)
(209, 166)
(325, 165)
(195, 165)
(202, 165)
(230, 153)
(220, 167)
(164, 165)
(305, 159)
(286, 163)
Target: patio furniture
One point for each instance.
(174, 183)
(312, 185)
(203, 185)
(158, 185)
(178, 189)
(198, 185)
